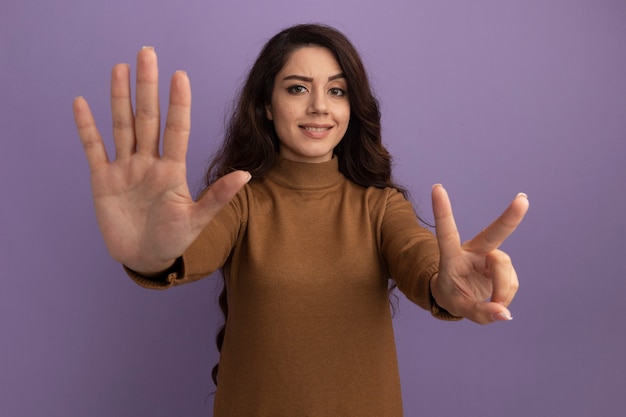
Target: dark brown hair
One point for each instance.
(251, 143)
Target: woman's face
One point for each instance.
(310, 106)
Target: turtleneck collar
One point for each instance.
(305, 175)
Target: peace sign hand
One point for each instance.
(476, 280)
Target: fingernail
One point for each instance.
(181, 72)
(437, 185)
(522, 195)
(249, 176)
(148, 47)
(502, 316)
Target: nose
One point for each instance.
(318, 103)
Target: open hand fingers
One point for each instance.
(89, 136)
(122, 112)
(178, 123)
(147, 113)
(497, 232)
(447, 232)
(138, 131)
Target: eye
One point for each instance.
(297, 89)
(338, 92)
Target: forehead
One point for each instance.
(311, 61)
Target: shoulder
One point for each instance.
(386, 198)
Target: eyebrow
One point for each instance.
(310, 80)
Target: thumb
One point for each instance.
(489, 312)
(219, 194)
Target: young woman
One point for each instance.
(302, 217)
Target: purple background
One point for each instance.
(487, 97)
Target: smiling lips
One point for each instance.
(316, 131)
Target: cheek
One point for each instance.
(283, 114)
(345, 114)
(345, 120)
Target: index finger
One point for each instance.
(178, 122)
(497, 232)
(448, 236)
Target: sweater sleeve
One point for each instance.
(207, 253)
(411, 254)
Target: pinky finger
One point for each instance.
(89, 136)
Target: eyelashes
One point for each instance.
(297, 89)
(336, 91)
(301, 89)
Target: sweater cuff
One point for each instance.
(441, 313)
(162, 281)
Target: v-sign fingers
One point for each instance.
(447, 232)
(497, 232)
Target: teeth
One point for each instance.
(315, 129)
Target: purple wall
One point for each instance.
(488, 97)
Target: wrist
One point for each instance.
(152, 269)
(434, 288)
(438, 306)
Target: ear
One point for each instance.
(268, 112)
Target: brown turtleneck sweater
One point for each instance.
(306, 256)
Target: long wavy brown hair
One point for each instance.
(250, 141)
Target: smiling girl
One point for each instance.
(302, 217)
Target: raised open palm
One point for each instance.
(143, 205)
